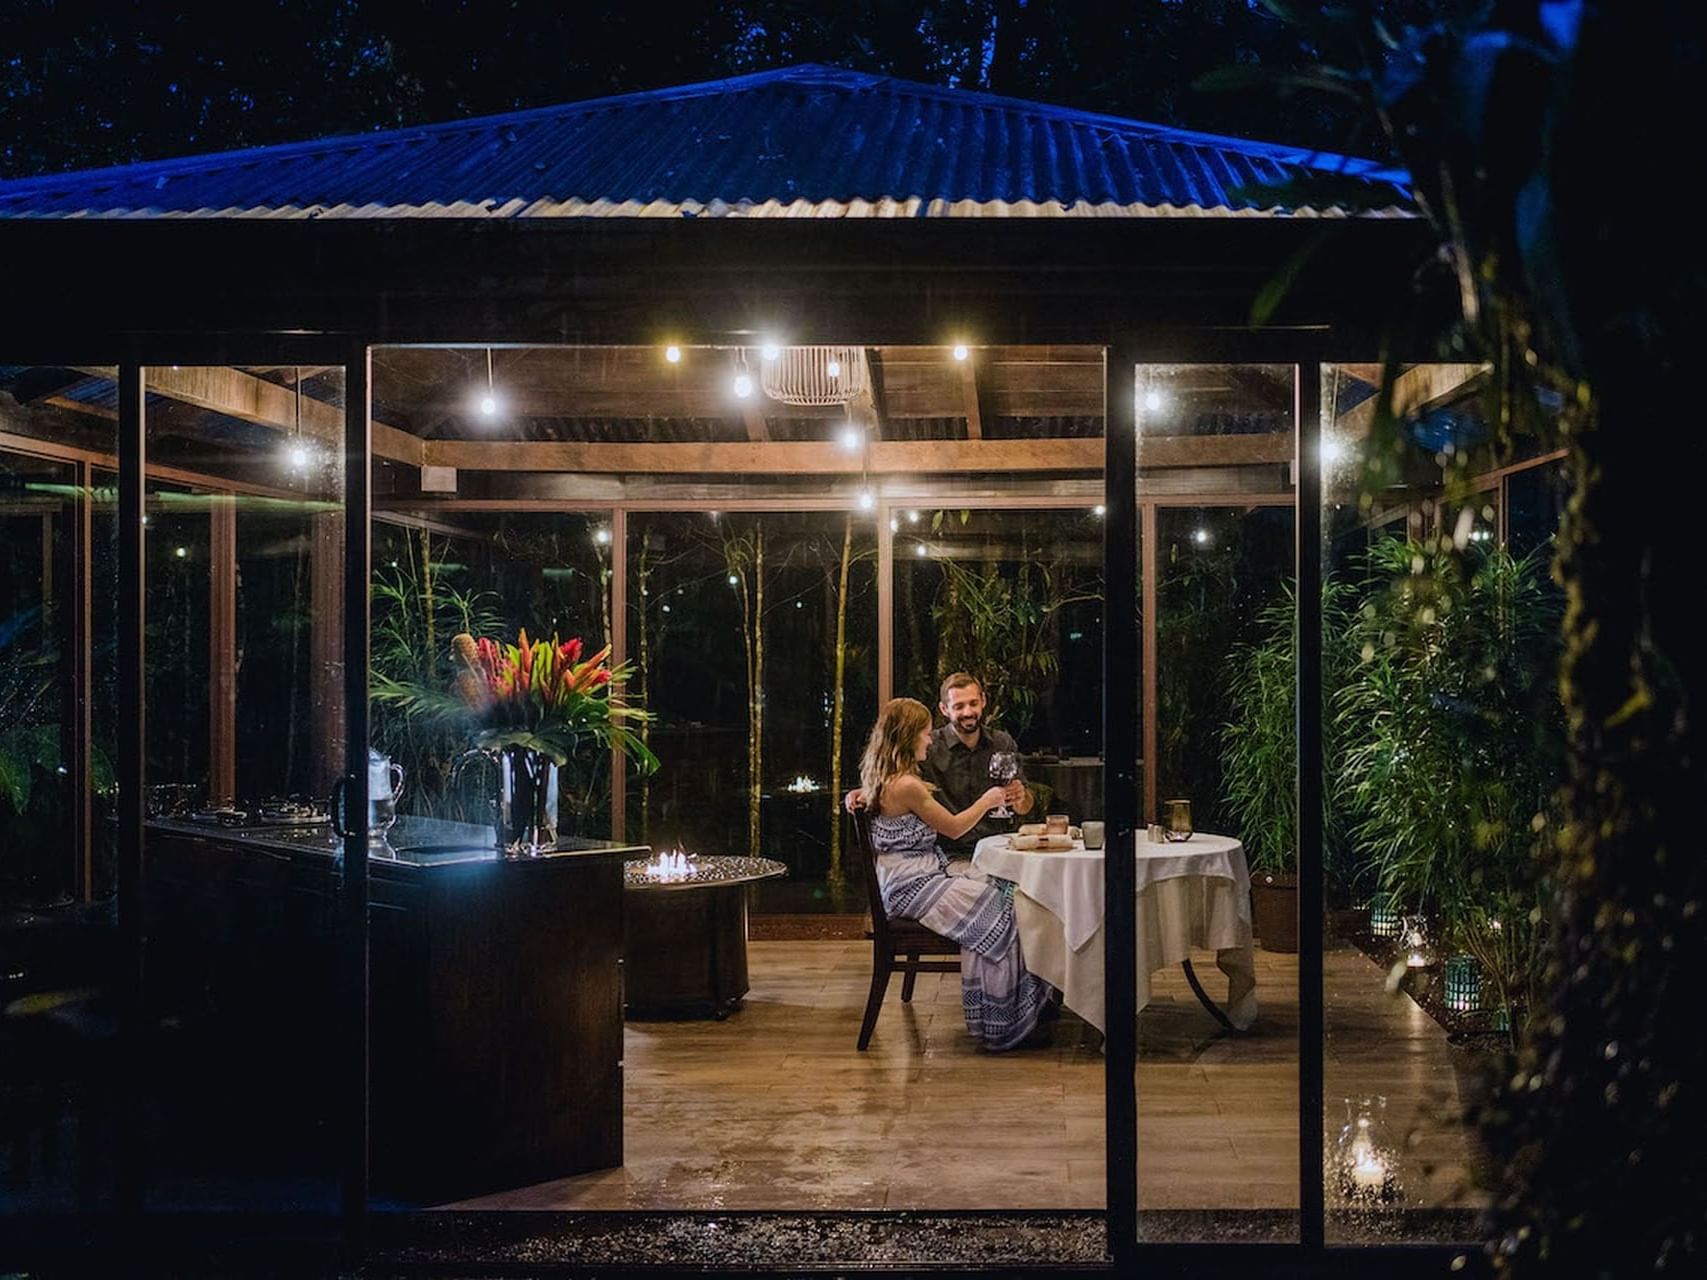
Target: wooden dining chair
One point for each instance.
(896, 945)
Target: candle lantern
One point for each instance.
(1413, 943)
(1463, 984)
(1365, 1163)
(1178, 820)
(1383, 920)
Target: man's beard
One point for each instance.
(968, 724)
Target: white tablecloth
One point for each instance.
(1191, 895)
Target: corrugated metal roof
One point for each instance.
(803, 142)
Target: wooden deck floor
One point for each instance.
(775, 1109)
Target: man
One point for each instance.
(958, 763)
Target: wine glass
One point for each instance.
(1004, 768)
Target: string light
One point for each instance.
(867, 500)
(298, 455)
(919, 549)
(1200, 536)
(832, 368)
(1099, 510)
(673, 354)
(912, 517)
(1154, 400)
(1332, 451)
(770, 350)
(742, 386)
(489, 401)
(960, 351)
(602, 537)
(894, 524)
(183, 553)
(851, 437)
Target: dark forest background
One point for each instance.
(92, 84)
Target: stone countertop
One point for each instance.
(413, 842)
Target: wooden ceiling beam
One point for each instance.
(885, 457)
(1412, 390)
(225, 390)
(969, 390)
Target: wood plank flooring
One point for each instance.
(775, 1108)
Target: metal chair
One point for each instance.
(896, 945)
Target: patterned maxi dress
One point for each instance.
(1001, 999)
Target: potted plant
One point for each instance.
(1451, 734)
(529, 708)
(1259, 758)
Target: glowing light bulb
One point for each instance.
(919, 550)
(1200, 536)
(733, 580)
(770, 351)
(867, 500)
(833, 368)
(299, 457)
(182, 553)
(602, 537)
(894, 524)
(673, 354)
(960, 351)
(1099, 510)
(1332, 451)
(488, 405)
(743, 385)
(1154, 400)
(912, 517)
(851, 437)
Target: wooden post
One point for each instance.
(222, 650)
(1147, 613)
(885, 605)
(81, 700)
(618, 655)
(326, 647)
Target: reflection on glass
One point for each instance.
(1217, 1142)
(243, 564)
(1442, 738)
(58, 925)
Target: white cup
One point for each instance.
(1093, 834)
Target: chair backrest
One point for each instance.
(868, 861)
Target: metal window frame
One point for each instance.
(1124, 352)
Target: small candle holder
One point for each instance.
(1177, 820)
(1365, 1164)
(1414, 945)
(1384, 922)
(1463, 984)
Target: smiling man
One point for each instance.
(958, 762)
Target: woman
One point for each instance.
(1002, 1001)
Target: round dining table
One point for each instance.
(1192, 895)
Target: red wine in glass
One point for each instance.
(1004, 768)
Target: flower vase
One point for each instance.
(527, 803)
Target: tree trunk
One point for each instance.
(840, 697)
(758, 692)
(642, 677)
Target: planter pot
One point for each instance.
(1274, 910)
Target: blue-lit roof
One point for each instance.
(805, 141)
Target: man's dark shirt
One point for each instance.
(961, 774)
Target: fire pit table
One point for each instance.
(685, 938)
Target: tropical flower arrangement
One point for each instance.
(535, 695)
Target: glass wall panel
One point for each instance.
(1216, 906)
(742, 637)
(244, 696)
(58, 945)
(491, 575)
(1015, 598)
(1442, 746)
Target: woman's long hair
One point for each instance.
(890, 751)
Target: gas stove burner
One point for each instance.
(221, 817)
(290, 813)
